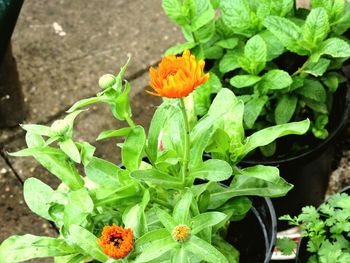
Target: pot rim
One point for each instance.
(320, 147)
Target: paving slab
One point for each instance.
(16, 218)
(62, 47)
(87, 127)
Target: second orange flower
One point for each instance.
(176, 77)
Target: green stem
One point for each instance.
(129, 121)
(187, 141)
(301, 69)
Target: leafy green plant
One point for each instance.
(165, 204)
(327, 230)
(283, 63)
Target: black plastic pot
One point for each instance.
(309, 171)
(255, 235)
(302, 253)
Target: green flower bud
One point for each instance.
(106, 81)
(181, 233)
(60, 126)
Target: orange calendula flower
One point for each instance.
(176, 77)
(116, 242)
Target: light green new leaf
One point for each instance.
(154, 176)
(212, 170)
(268, 135)
(132, 218)
(180, 48)
(22, 248)
(314, 90)
(316, 27)
(168, 222)
(276, 79)
(122, 109)
(252, 110)
(206, 220)
(173, 9)
(230, 61)
(255, 53)
(85, 102)
(69, 148)
(287, 32)
(114, 133)
(149, 237)
(205, 14)
(182, 208)
(204, 250)
(38, 129)
(274, 46)
(241, 81)
(103, 172)
(86, 151)
(156, 249)
(285, 108)
(87, 242)
(229, 251)
(336, 48)
(317, 69)
(133, 147)
(228, 43)
(37, 196)
(79, 206)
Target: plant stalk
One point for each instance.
(129, 121)
(187, 141)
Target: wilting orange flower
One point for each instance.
(116, 242)
(177, 77)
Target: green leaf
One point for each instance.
(206, 220)
(164, 112)
(157, 177)
(26, 247)
(255, 52)
(114, 133)
(87, 242)
(285, 108)
(230, 61)
(162, 246)
(314, 90)
(213, 52)
(229, 251)
(212, 170)
(335, 47)
(204, 250)
(132, 218)
(236, 14)
(228, 43)
(268, 135)
(332, 81)
(79, 206)
(86, 151)
(149, 237)
(180, 48)
(205, 14)
(85, 102)
(316, 27)
(317, 69)
(276, 79)
(287, 32)
(253, 109)
(274, 46)
(286, 245)
(38, 129)
(173, 9)
(316, 106)
(241, 81)
(343, 23)
(102, 172)
(182, 208)
(133, 148)
(69, 148)
(37, 196)
(167, 221)
(121, 108)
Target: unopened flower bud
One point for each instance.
(106, 81)
(60, 126)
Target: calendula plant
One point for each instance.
(165, 203)
(326, 230)
(283, 63)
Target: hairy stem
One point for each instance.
(129, 121)
(187, 141)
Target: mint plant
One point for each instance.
(284, 64)
(326, 230)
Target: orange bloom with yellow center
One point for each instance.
(116, 242)
(176, 77)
